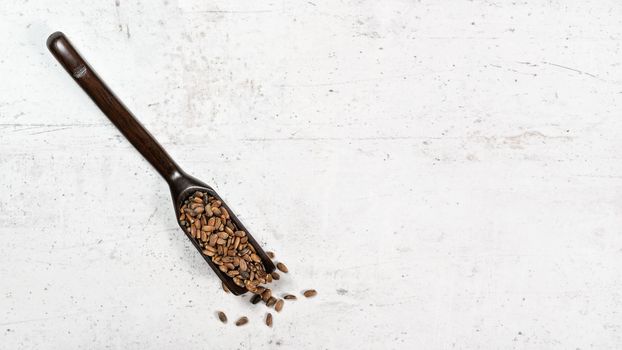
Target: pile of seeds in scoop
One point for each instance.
(209, 223)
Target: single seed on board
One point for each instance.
(269, 320)
(266, 294)
(281, 267)
(279, 305)
(222, 317)
(255, 299)
(241, 321)
(310, 293)
(270, 255)
(275, 275)
(289, 297)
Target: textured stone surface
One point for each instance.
(445, 173)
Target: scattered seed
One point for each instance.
(270, 255)
(271, 301)
(281, 267)
(241, 321)
(222, 317)
(310, 293)
(266, 295)
(279, 305)
(289, 297)
(275, 275)
(255, 299)
(269, 320)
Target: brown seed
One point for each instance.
(269, 320)
(212, 239)
(230, 266)
(275, 275)
(270, 255)
(220, 241)
(199, 210)
(243, 266)
(193, 232)
(222, 317)
(211, 222)
(266, 294)
(208, 212)
(255, 299)
(310, 293)
(224, 287)
(249, 286)
(281, 267)
(225, 213)
(240, 233)
(241, 321)
(289, 297)
(223, 235)
(236, 243)
(197, 199)
(271, 301)
(223, 268)
(279, 305)
(216, 211)
(216, 203)
(207, 228)
(229, 231)
(255, 258)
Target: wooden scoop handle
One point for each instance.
(112, 107)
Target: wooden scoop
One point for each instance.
(181, 184)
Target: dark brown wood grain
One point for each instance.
(180, 183)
